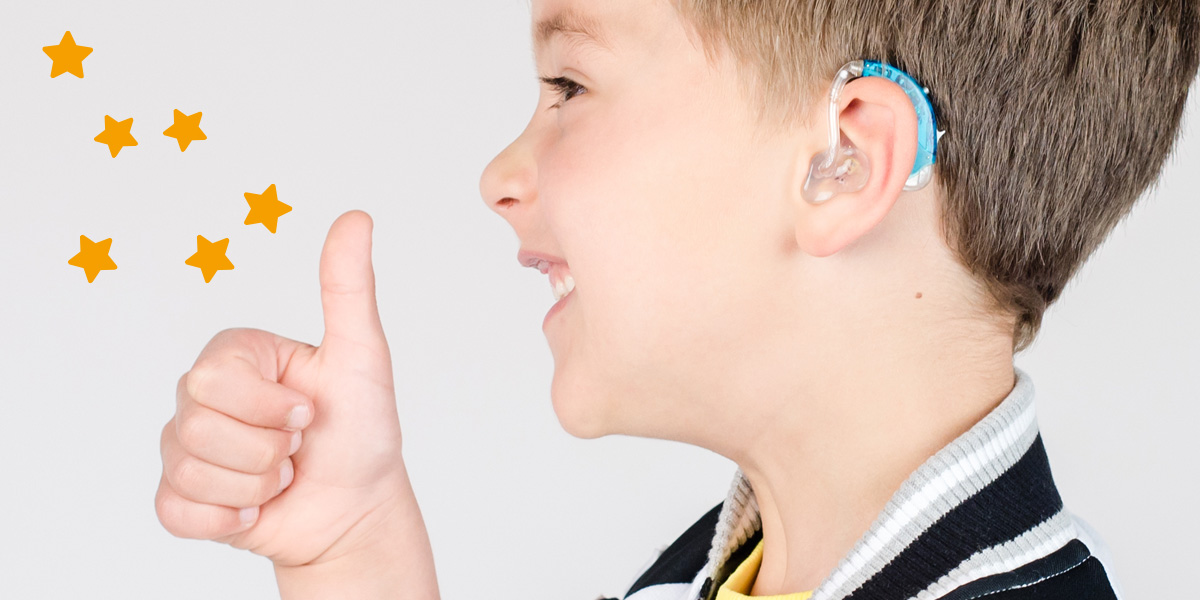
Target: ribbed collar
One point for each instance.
(983, 504)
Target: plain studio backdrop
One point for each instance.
(395, 108)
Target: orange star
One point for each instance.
(93, 257)
(266, 208)
(67, 57)
(116, 134)
(210, 257)
(186, 129)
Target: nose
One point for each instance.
(509, 180)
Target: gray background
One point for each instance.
(395, 108)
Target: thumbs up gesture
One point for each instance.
(301, 441)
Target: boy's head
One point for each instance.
(666, 156)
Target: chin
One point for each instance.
(579, 409)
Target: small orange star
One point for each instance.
(67, 57)
(186, 129)
(93, 257)
(116, 134)
(266, 208)
(210, 257)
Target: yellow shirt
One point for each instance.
(739, 583)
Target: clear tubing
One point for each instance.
(842, 168)
(846, 73)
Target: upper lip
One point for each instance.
(529, 258)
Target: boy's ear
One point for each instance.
(880, 121)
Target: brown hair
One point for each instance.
(1059, 114)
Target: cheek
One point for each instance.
(649, 335)
(651, 212)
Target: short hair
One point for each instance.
(1059, 114)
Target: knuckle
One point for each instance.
(229, 333)
(184, 518)
(342, 288)
(181, 386)
(190, 430)
(232, 332)
(164, 435)
(164, 508)
(182, 395)
(234, 337)
(172, 512)
(200, 376)
(187, 475)
(215, 355)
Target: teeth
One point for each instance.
(563, 287)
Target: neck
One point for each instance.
(824, 469)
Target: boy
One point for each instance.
(852, 353)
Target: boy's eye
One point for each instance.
(564, 86)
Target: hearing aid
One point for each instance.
(842, 167)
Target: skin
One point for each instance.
(827, 349)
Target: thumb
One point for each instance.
(348, 289)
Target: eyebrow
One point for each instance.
(569, 22)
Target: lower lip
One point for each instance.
(557, 307)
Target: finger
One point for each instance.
(186, 519)
(227, 442)
(205, 483)
(231, 385)
(348, 287)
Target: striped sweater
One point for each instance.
(981, 518)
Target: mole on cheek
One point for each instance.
(918, 294)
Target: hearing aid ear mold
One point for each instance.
(844, 172)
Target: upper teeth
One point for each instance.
(563, 286)
(561, 281)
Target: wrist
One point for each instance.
(385, 555)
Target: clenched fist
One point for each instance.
(289, 450)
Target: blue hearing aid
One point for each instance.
(842, 167)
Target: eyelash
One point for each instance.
(563, 85)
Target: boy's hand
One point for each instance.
(227, 447)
